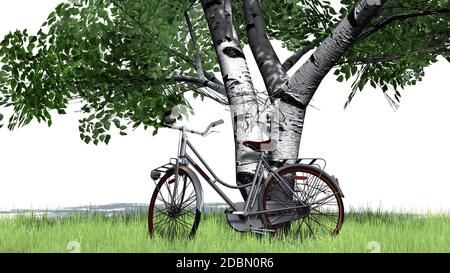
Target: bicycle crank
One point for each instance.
(243, 223)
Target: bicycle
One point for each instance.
(295, 198)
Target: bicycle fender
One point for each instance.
(197, 186)
(335, 181)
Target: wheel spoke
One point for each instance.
(166, 204)
(163, 222)
(161, 198)
(297, 233)
(320, 224)
(285, 185)
(311, 231)
(169, 191)
(312, 186)
(181, 196)
(164, 212)
(329, 215)
(187, 212)
(188, 203)
(324, 189)
(324, 201)
(181, 221)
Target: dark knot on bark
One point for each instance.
(233, 52)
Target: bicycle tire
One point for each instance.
(303, 199)
(174, 206)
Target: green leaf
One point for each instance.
(87, 139)
(107, 125)
(3, 76)
(117, 123)
(6, 68)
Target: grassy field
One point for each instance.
(362, 232)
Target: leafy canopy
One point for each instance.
(116, 56)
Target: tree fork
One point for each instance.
(301, 87)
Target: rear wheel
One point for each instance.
(302, 201)
(173, 207)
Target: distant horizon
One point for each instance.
(211, 206)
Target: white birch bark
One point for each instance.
(241, 93)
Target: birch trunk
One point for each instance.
(241, 94)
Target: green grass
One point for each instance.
(128, 233)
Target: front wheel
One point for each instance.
(302, 200)
(173, 211)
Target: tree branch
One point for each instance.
(219, 90)
(268, 63)
(211, 77)
(302, 86)
(294, 58)
(400, 17)
(202, 74)
(211, 95)
(297, 55)
(431, 48)
(197, 60)
(198, 82)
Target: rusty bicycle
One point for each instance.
(297, 198)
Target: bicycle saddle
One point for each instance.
(269, 145)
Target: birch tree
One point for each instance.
(129, 61)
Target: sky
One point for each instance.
(392, 160)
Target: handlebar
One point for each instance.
(204, 133)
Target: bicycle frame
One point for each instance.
(185, 159)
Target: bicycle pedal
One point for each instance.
(262, 230)
(238, 212)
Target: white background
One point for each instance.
(383, 159)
